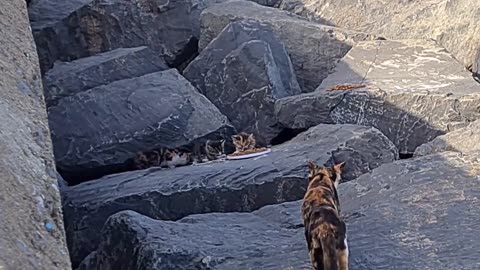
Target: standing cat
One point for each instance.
(325, 231)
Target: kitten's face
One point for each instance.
(216, 149)
(334, 173)
(243, 141)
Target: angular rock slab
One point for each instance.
(87, 27)
(464, 140)
(97, 132)
(68, 78)
(209, 241)
(415, 92)
(403, 215)
(231, 186)
(32, 235)
(243, 71)
(401, 20)
(313, 48)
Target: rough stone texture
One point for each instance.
(243, 71)
(241, 185)
(412, 214)
(415, 92)
(29, 196)
(68, 78)
(464, 140)
(96, 132)
(448, 22)
(314, 49)
(83, 28)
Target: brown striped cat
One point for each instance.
(244, 141)
(325, 231)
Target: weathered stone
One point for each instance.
(243, 71)
(464, 140)
(415, 92)
(232, 186)
(406, 214)
(97, 132)
(68, 78)
(32, 236)
(314, 48)
(450, 23)
(83, 28)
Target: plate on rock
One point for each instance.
(248, 154)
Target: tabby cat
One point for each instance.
(210, 150)
(244, 141)
(325, 231)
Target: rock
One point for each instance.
(231, 186)
(82, 28)
(464, 140)
(68, 78)
(228, 241)
(415, 92)
(29, 196)
(243, 71)
(313, 48)
(98, 131)
(403, 215)
(402, 20)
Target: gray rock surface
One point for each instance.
(403, 215)
(313, 48)
(68, 78)
(464, 140)
(97, 132)
(231, 186)
(29, 197)
(243, 71)
(415, 92)
(83, 28)
(448, 22)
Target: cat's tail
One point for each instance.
(329, 248)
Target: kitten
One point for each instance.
(325, 231)
(162, 157)
(176, 158)
(210, 150)
(244, 141)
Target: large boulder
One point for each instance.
(231, 186)
(313, 48)
(68, 78)
(464, 140)
(67, 30)
(32, 234)
(403, 215)
(450, 23)
(415, 91)
(97, 132)
(243, 72)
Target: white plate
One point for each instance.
(250, 155)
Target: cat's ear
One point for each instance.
(339, 166)
(235, 137)
(312, 166)
(251, 136)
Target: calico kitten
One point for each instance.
(325, 231)
(162, 157)
(244, 141)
